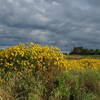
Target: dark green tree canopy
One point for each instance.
(85, 51)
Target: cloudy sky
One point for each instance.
(62, 23)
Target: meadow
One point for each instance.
(35, 72)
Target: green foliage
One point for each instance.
(70, 85)
(85, 51)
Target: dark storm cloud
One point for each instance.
(62, 23)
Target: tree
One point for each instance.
(84, 51)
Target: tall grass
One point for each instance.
(72, 85)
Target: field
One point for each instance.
(83, 56)
(35, 72)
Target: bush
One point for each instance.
(43, 63)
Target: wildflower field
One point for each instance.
(35, 72)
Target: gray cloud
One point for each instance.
(62, 23)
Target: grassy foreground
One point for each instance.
(34, 72)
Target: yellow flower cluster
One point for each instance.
(83, 64)
(30, 57)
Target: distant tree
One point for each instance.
(97, 52)
(77, 50)
(91, 52)
(84, 51)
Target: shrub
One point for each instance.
(43, 63)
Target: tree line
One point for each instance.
(85, 51)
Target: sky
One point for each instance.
(61, 23)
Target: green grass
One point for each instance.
(83, 56)
(72, 85)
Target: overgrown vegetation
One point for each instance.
(34, 72)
